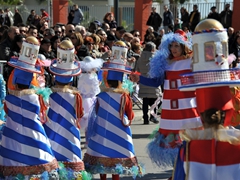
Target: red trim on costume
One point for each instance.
(176, 74)
(179, 114)
(176, 94)
(213, 152)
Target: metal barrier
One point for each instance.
(2, 63)
(126, 13)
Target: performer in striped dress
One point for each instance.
(65, 111)
(212, 152)
(178, 108)
(25, 150)
(110, 146)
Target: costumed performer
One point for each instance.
(65, 111)
(88, 85)
(110, 146)
(2, 99)
(173, 58)
(213, 152)
(25, 150)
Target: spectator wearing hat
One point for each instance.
(109, 19)
(46, 48)
(17, 18)
(98, 23)
(214, 14)
(120, 32)
(78, 15)
(194, 18)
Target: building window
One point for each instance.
(28, 52)
(225, 49)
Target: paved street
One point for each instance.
(140, 138)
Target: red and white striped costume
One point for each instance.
(213, 159)
(178, 108)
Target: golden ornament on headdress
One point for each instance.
(32, 40)
(120, 43)
(208, 24)
(66, 44)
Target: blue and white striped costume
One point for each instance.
(62, 127)
(110, 145)
(25, 146)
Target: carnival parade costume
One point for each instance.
(213, 152)
(110, 146)
(88, 85)
(178, 108)
(25, 150)
(64, 114)
(2, 98)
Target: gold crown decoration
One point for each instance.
(209, 24)
(32, 40)
(120, 43)
(66, 44)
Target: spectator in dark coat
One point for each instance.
(226, 16)
(31, 17)
(154, 20)
(214, 14)
(184, 17)
(109, 18)
(194, 18)
(167, 19)
(70, 16)
(17, 18)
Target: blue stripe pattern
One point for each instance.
(32, 106)
(15, 156)
(58, 136)
(104, 148)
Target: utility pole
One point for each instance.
(116, 12)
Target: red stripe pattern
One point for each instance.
(177, 113)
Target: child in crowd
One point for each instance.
(65, 111)
(110, 147)
(25, 149)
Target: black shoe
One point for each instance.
(145, 122)
(154, 120)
